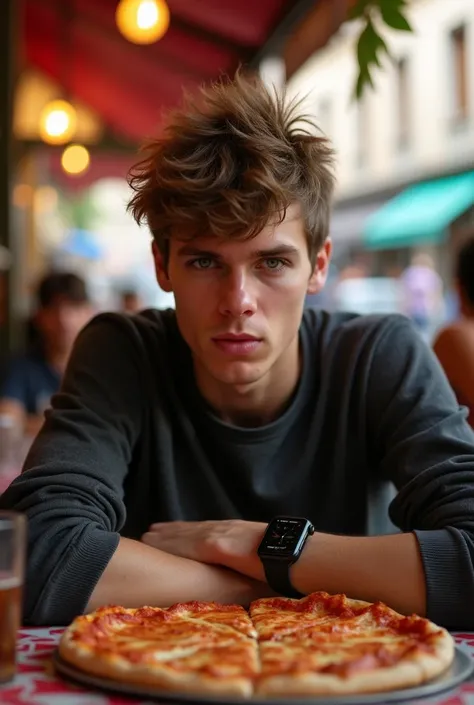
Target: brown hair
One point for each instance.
(231, 160)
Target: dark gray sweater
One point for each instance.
(130, 441)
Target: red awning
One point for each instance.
(77, 43)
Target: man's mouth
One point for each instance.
(236, 343)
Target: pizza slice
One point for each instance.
(171, 649)
(325, 644)
(232, 617)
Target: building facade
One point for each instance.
(394, 145)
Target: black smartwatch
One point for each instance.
(280, 547)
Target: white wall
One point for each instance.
(435, 145)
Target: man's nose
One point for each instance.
(237, 296)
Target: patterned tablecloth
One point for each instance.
(37, 684)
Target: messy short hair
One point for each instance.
(230, 161)
(465, 269)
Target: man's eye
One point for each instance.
(201, 263)
(274, 264)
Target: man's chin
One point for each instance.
(239, 374)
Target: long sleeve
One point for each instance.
(422, 442)
(71, 487)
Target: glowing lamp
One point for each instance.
(75, 159)
(142, 21)
(57, 122)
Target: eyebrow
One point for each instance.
(277, 251)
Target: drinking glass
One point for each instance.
(12, 559)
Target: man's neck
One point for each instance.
(255, 404)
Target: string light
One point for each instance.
(75, 159)
(57, 122)
(142, 21)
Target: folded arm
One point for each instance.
(141, 575)
(386, 568)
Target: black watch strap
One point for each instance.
(277, 573)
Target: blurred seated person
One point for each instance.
(62, 309)
(130, 301)
(454, 344)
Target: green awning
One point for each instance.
(420, 214)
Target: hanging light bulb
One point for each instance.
(75, 159)
(57, 122)
(142, 21)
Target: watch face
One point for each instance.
(284, 537)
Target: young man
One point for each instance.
(178, 435)
(63, 308)
(454, 344)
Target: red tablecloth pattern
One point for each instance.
(37, 684)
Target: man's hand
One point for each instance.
(232, 543)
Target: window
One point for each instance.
(403, 103)
(458, 42)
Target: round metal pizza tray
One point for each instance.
(459, 671)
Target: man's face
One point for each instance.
(239, 302)
(61, 321)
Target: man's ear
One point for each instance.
(321, 268)
(161, 269)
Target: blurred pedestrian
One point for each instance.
(130, 301)
(422, 292)
(454, 344)
(62, 309)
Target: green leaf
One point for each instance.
(364, 80)
(359, 9)
(392, 17)
(367, 7)
(391, 4)
(369, 44)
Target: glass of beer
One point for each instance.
(12, 558)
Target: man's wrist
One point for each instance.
(247, 562)
(300, 571)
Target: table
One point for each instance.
(37, 684)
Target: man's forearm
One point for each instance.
(141, 575)
(385, 568)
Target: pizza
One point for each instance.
(319, 645)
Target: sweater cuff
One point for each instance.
(448, 595)
(69, 590)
